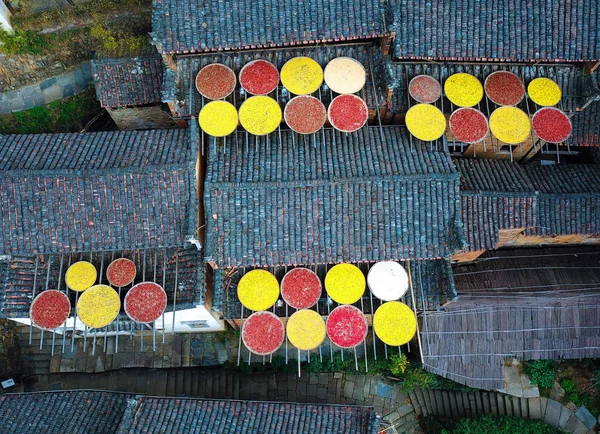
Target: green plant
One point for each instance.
(568, 385)
(398, 364)
(573, 395)
(500, 425)
(21, 42)
(541, 372)
(117, 43)
(67, 115)
(417, 377)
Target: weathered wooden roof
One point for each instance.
(505, 30)
(184, 26)
(97, 191)
(344, 198)
(525, 303)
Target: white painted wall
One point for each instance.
(5, 17)
(199, 313)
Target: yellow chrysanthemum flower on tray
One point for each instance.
(98, 306)
(395, 323)
(306, 329)
(544, 92)
(258, 290)
(260, 115)
(425, 122)
(345, 283)
(510, 125)
(80, 276)
(301, 75)
(218, 118)
(463, 90)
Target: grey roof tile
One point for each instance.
(182, 26)
(62, 412)
(101, 191)
(536, 30)
(155, 415)
(559, 199)
(569, 200)
(128, 82)
(293, 202)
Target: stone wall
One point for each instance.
(141, 118)
(62, 86)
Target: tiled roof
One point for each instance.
(433, 283)
(62, 412)
(565, 178)
(481, 175)
(575, 85)
(558, 199)
(155, 415)
(528, 306)
(88, 151)
(290, 201)
(505, 30)
(19, 280)
(104, 191)
(184, 26)
(495, 194)
(569, 201)
(180, 85)
(118, 413)
(128, 82)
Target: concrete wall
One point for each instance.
(184, 320)
(5, 18)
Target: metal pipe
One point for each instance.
(175, 295)
(164, 283)
(240, 339)
(33, 294)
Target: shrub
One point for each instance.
(398, 364)
(501, 425)
(117, 43)
(21, 42)
(579, 399)
(66, 115)
(541, 372)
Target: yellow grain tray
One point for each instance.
(345, 283)
(306, 329)
(98, 306)
(395, 323)
(258, 290)
(80, 276)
